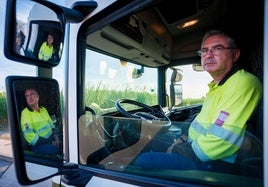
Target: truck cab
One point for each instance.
(125, 78)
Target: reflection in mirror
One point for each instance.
(37, 121)
(116, 140)
(38, 106)
(39, 35)
(175, 94)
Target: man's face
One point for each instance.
(50, 39)
(18, 40)
(222, 62)
(32, 97)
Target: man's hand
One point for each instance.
(56, 141)
(180, 140)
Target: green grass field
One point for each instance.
(105, 99)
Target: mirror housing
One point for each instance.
(175, 94)
(136, 73)
(15, 90)
(175, 87)
(28, 26)
(177, 75)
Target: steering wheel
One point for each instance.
(150, 114)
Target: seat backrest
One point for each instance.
(249, 160)
(259, 121)
(255, 124)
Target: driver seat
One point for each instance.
(249, 161)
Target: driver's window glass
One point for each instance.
(109, 79)
(115, 141)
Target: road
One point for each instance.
(6, 157)
(7, 170)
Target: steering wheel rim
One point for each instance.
(141, 115)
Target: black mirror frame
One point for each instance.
(13, 121)
(65, 15)
(10, 38)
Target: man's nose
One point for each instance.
(210, 52)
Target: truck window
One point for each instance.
(123, 54)
(108, 79)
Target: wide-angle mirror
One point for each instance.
(175, 87)
(34, 33)
(39, 34)
(35, 119)
(175, 94)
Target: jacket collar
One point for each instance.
(233, 71)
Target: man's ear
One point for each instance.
(236, 55)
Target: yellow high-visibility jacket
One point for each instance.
(45, 52)
(219, 128)
(36, 124)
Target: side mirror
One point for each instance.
(34, 116)
(136, 73)
(177, 75)
(175, 94)
(175, 87)
(34, 31)
(34, 34)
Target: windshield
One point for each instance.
(109, 79)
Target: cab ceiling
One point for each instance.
(151, 36)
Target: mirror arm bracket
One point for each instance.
(68, 15)
(85, 7)
(73, 175)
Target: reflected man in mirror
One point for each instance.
(37, 126)
(20, 37)
(46, 49)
